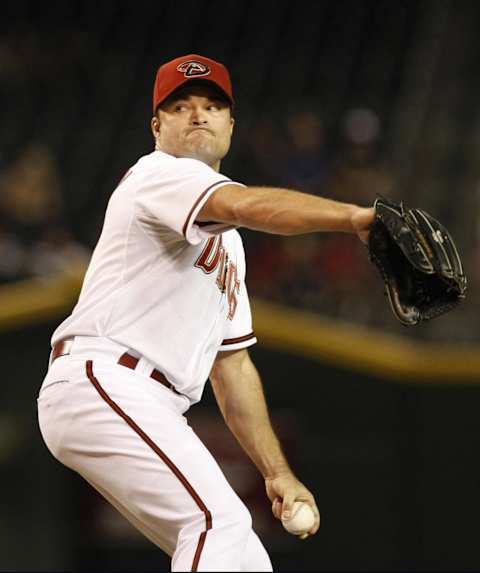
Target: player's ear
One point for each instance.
(155, 125)
(232, 123)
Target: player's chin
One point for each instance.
(208, 154)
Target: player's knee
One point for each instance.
(236, 519)
(241, 517)
(225, 542)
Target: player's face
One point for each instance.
(195, 122)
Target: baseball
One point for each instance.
(302, 519)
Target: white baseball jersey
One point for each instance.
(170, 289)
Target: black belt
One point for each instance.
(63, 348)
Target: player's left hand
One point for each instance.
(285, 489)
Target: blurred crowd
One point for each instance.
(330, 273)
(342, 157)
(326, 273)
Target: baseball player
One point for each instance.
(163, 308)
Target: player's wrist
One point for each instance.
(342, 216)
(276, 472)
(361, 218)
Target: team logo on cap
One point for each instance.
(192, 68)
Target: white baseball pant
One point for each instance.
(127, 436)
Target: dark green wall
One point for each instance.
(394, 468)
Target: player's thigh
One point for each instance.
(131, 444)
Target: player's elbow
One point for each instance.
(247, 208)
(221, 205)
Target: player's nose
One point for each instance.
(198, 116)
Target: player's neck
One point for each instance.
(215, 166)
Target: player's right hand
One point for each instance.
(285, 489)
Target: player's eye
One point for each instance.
(179, 107)
(213, 107)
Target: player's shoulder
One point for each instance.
(153, 160)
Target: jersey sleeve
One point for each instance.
(172, 193)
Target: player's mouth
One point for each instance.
(194, 129)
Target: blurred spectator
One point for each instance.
(266, 262)
(301, 277)
(13, 258)
(359, 173)
(57, 252)
(305, 165)
(349, 280)
(290, 153)
(35, 240)
(328, 274)
(260, 153)
(30, 196)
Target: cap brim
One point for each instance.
(194, 82)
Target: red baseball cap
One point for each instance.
(176, 73)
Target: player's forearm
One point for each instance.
(254, 432)
(244, 409)
(279, 211)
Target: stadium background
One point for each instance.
(341, 98)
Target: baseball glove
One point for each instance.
(418, 261)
